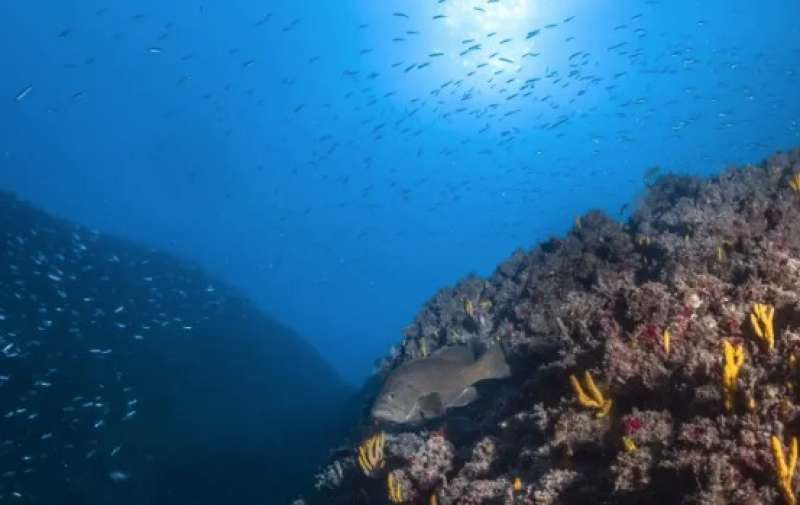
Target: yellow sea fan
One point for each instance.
(395, 489)
(784, 470)
(761, 320)
(734, 359)
(794, 182)
(370, 454)
(594, 399)
(469, 308)
(666, 339)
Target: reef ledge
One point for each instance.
(684, 321)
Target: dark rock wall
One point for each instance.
(130, 377)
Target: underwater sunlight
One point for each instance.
(420, 252)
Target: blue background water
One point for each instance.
(276, 144)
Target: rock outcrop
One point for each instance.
(654, 361)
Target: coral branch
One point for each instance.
(594, 399)
(761, 321)
(370, 454)
(734, 359)
(628, 444)
(783, 470)
(395, 489)
(794, 182)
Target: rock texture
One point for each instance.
(648, 309)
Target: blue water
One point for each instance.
(298, 151)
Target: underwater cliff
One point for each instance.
(130, 377)
(654, 361)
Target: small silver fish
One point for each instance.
(118, 476)
(425, 388)
(24, 93)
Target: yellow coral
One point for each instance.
(517, 485)
(469, 308)
(761, 321)
(666, 338)
(628, 444)
(794, 182)
(783, 470)
(734, 359)
(720, 254)
(750, 403)
(594, 399)
(395, 488)
(370, 454)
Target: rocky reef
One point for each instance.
(129, 376)
(654, 361)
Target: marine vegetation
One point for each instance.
(370, 454)
(784, 470)
(699, 356)
(594, 399)
(734, 359)
(761, 320)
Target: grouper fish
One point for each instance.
(425, 388)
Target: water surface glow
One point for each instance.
(466, 23)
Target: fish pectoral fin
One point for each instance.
(469, 395)
(431, 405)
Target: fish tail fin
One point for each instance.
(493, 364)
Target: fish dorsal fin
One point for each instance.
(491, 365)
(456, 354)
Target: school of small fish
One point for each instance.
(476, 111)
(514, 96)
(73, 342)
(437, 103)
